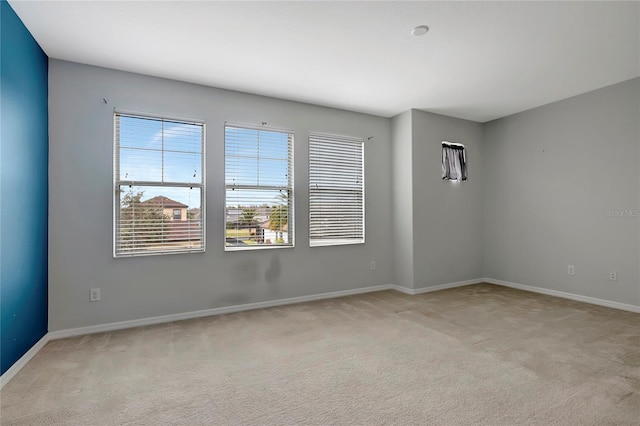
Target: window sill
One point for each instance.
(156, 253)
(256, 247)
(329, 243)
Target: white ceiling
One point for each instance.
(480, 60)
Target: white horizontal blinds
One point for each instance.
(258, 187)
(336, 190)
(159, 186)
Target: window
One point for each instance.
(258, 187)
(159, 186)
(336, 190)
(454, 161)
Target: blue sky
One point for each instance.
(155, 150)
(142, 157)
(256, 158)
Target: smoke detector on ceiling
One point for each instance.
(420, 30)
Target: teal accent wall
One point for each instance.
(24, 151)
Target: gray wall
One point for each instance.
(81, 193)
(437, 224)
(551, 175)
(447, 216)
(401, 159)
(540, 185)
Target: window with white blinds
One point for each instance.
(258, 187)
(336, 190)
(159, 186)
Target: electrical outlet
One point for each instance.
(95, 295)
(571, 269)
(613, 276)
(372, 265)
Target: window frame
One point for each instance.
(290, 189)
(116, 182)
(339, 139)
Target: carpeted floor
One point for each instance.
(476, 355)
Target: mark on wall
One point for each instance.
(273, 272)
(248, 280)
(246, 273)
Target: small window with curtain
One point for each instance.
(336, 190)
(258, 187)
(159, 186)
(454, 162)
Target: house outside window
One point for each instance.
(159, 185)
(259, 195)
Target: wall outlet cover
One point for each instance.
(95, 295)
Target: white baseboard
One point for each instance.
(562, 294)
(300, 299)
(414, 291)
(59, 334)
(24, 359)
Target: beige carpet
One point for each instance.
(477, 355)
